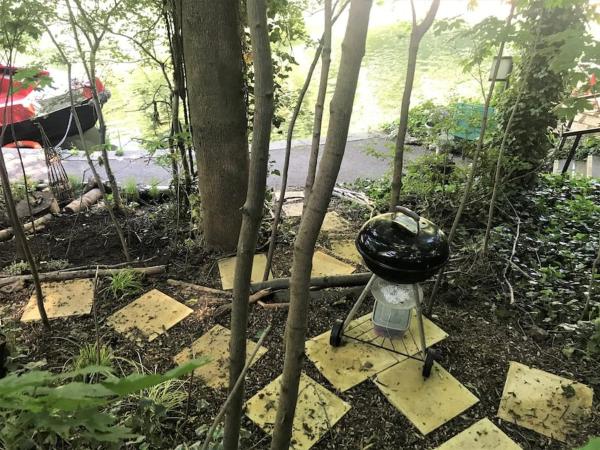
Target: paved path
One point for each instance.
(358, 163)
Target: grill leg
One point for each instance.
(421, 325)
(359, 302)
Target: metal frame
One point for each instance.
(419, 313)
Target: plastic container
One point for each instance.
(393, 307)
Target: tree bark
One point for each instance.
(320, 103)
(417, 33)
(353, 49)
(213, 55)
(477, 154)
(251, 213)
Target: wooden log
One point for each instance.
(196, 287)
(355, 279)
(84, 202)
(39, 224)
(61, 275)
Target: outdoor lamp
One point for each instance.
(506, 65)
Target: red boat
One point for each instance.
(33, 113)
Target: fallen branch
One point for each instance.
(223, 309)
(196, 287)
(355, 279)
(37, 224)
(61, 275)
(273, 305)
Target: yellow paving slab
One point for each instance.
(293, 209)
(215, 345)
(62, 299)
(326, 265)
(362, 328)
(317, 411)
(152, 314)
(482, 435)
(348, 365)
(551, 405)
(227, 270)
(333, 222)
(290, 195)
(354, 362)
(347, 250)
(427, 402)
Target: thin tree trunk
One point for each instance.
(22, 239)
(586, 308)
(19, 232)
(90, 69)
(497, 175)
(95, 173)
(353, 49)
(320, 104)
(417, 33)
(471, 177)
(288, 150)
(213, 55)
(251, 212)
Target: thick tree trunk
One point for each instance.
(213, 56)
(353, 49)
(320, 103)
(418, 31)
(251, 213)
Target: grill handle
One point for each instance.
(410, 213)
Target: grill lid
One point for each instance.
(402, 247)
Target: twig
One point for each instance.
(95, 312)
(236, 386)
(514, 249)
(284, 305)
(196, 287)
(223, 309)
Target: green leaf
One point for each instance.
(137, 382)
(593, 444)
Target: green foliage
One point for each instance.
(17, 268)
(21, 24)
(153, 191)
(589, 145)
(130, 189)
(76, 184)
(40, 409)
(89, 355)
(125, 282)
(593, 444)
(593, 345)
(54, 264)
(119, 152)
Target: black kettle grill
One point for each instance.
(399, 247)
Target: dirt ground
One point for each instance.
(480, 345)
